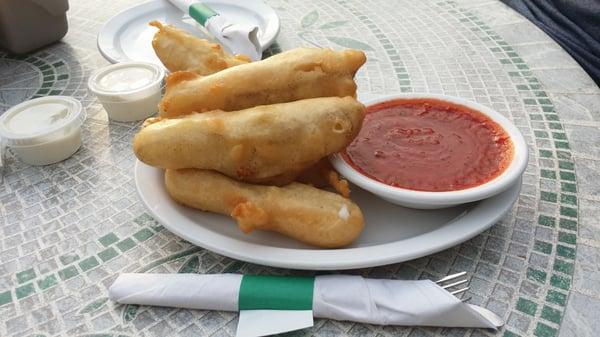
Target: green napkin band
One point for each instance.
(276, 292)
(201, 13)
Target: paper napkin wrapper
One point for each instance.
(339, 297)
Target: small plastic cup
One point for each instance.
(44, 130)
(128, 91)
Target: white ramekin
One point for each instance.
(50, 143)
(128, 105)
(433, 200)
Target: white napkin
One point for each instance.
(395, 302)
(339, 297)
(236, 37)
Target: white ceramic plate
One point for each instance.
(392, 233)
(127, 36)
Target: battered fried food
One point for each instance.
(179, 50)
(322, 174)
(302, 212)
(338, 183)
(278, 180)
(255, 143)
(296, 74)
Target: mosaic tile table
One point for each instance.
(67, 230)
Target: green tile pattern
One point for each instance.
(5, 298)
(548, 221)
(26, 275)
(543, 247)
(566, 252)
(526, 306)
(108, 254)
(551, 314)
(508, 333)
(560, 282)
(536, 275)
(390, 49)
(88, 263)
(126, 244)
(75, 265)
(533, 252)
(49, 72)
(47, 282)
(68, 273)
(108, 239)
(556, 297)
(143, 234)
(563, 266)
(543, 330)
(24, 291)
(561, 212)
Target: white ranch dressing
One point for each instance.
(128, 91)
(37, 118)
(126, 79)
(43, 131)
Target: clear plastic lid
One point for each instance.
(126, 80)
(40, 120)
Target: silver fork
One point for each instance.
(452, 282)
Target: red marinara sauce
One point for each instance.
(429, 145)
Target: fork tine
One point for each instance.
(459, 291)
(451, 277)
(466, 299)
(454, 284)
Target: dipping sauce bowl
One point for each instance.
(128, 91)
(44, 130)
(433, 151)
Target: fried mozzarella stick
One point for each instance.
(302, 212)
(252, 144)
(296, 74)
(179, 50)
(322, 174)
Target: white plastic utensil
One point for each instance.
(239, 38)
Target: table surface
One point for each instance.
(67, 230)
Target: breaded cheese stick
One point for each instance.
(302, 212)
(252, 144)
(319, 175)
(296, 74)
(322, 174)
(179, 50)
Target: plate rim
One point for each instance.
(109, 29)
(331, 259)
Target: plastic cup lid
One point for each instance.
(125, 78)
(31, 121)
